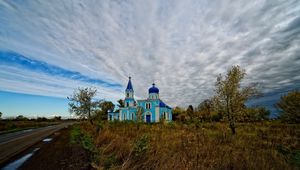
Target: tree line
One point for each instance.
(228, 104)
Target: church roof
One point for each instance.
(153, 89)
(162, 104)
(129, 85)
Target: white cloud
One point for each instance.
(181, 45)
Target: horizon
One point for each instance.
(49, 49)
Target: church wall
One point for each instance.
(167, 110)
(157, 114)
(153, 104)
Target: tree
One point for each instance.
(21, 118)
(121, 103)
(205, 109)
(289, 106)
(257, 113)
(41, 119)
(139, 114)
(262, 113)
(82, 103)
(56, 118)
(190, 112)
(177, 113)
(105, 107)
(0, 115)
(230, 97)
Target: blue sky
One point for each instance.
(48, 49)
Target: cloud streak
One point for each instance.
(181, 45)
(22, 62)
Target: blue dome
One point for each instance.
(153, 89)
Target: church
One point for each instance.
(152, 109)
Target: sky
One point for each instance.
(50, 48)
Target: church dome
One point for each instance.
(153, 89)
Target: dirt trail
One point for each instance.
(58, 154)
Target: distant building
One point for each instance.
(153, 109)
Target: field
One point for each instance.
(264, 145)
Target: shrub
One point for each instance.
(289, 105)
(141, 145)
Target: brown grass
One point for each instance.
(265, 145)
(7, 126)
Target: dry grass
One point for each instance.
(265, 145)
(8, 126)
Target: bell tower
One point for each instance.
(129, 94)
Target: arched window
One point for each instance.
(132, 114)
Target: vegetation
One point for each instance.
(17, 124)
(205, 110)
(105, 107)
(178, 114)
(83, 104)
(121, 103)
(199, 138)
(139, 113)
(190, 112)
(263, 145)
(253, 114)
(230, 97)
(21, 118)
(289, 106)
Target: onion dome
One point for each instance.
(153, 89)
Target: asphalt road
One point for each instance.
(13, 143)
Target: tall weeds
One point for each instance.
(196, 146)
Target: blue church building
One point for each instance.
(152, 109)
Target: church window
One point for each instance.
(148, 105)
(131, 116)
(166, 115)
(127, 94)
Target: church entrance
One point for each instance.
(148, 118)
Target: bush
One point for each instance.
(21, 118)
(289, 105)
(77, 136)
(141, 145)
